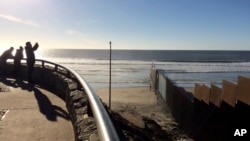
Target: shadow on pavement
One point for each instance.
(45, 106)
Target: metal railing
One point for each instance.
(105, 127)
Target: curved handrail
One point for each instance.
(105, 127)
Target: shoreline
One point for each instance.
(134, 103)
(130, 98)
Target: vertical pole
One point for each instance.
(110, 76)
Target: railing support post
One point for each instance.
(43, 64)
(56, 68)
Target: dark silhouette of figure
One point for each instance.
(52, 112)
(3, 58)
(17, 61)
(30, 59)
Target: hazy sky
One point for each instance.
(129, 24)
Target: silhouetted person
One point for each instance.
(30, 59)
(17, 61)
(3, 58)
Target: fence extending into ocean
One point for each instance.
(206, 110)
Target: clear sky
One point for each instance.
(129, 24)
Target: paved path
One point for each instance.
(33, 114)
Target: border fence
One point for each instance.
(203, 109)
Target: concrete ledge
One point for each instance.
(75, 99)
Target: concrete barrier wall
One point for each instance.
(187, 112)
(229, 92)
(198, 91)
(202, 93)
(152, 78)
(162, 86)
(205, 94)
(169, 94)
(210, 109)
(179, 102)
(216, 95)
(243, 93)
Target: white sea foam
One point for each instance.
(134, 70)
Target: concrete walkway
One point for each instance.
(32, 114)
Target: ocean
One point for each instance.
(131, 68)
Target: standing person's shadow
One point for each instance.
(50, 111)
(45, 106)
(17, 83)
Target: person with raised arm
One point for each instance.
(30, 59)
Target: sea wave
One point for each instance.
(132, 68)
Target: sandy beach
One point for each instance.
(133, 103)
